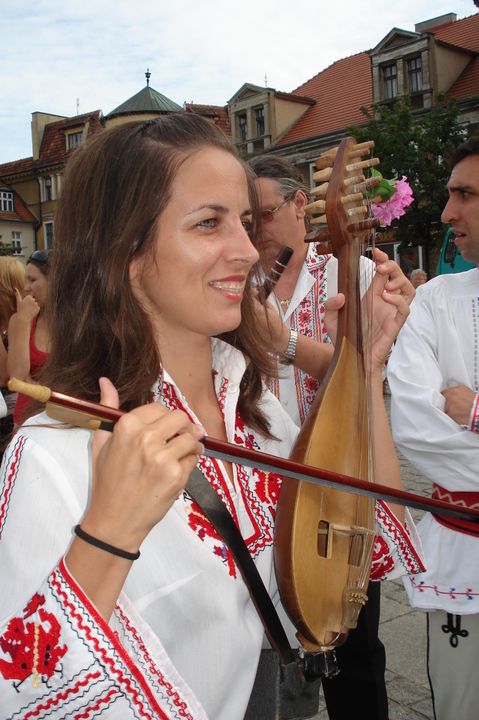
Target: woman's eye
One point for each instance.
(210, 223)
(248, 226)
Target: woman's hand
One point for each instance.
(270, 325)
(27, 307)
(388, 297)
(385, 308)
(138, 470)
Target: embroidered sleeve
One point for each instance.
(397, 548)
(473, 425)
(58, 656)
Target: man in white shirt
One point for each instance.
(434, 380)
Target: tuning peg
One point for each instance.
(363, 164)
(360, 227)
(315, 207)
(319, 190)
(322, 175)
(353, 180)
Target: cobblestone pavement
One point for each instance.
(403, 632)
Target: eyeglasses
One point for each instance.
(268, 215)
(39, 256)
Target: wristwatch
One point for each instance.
(289, 355)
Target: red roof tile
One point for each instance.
(214, 112)
(463, 33)
(15, 169)
(20, 210)
(339, 91)
(53, 149)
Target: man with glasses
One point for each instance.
(359, 690)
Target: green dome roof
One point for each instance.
(146, 101)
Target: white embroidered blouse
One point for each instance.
(185, 639)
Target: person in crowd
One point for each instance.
(434, 380)
(12, 279)
(151, 309)
(28, 328)
(300, 297)
(418, 277)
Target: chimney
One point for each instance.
(435, 22)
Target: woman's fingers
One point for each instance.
(139, 469)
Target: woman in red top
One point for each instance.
(28, 331)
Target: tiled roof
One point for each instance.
(20, 210)
(53, 152)
(16, 168)
(465, 34)
(53, 149)
(146, 101)
(213, 112)
(339, 91)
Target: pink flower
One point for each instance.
(393, 208)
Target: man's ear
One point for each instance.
(300, 201)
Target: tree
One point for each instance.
(417, 147)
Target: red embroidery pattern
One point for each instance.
(6, 488)
(400, 543)
(32, 646)
(258, 490)
(179, 704)
(382, 561)
(308, 319)
(96, 633)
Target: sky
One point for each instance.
(67, 58)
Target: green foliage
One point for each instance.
(415, 145)
(6, 249)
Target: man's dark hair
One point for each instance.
(470, 147)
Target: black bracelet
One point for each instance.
(104, 546)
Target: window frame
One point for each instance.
(390, 81)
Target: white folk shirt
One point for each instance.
(318, 280)
(185, 638)
(438, 348)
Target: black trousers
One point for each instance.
(359, 689)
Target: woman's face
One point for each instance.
(193, 284)
(36, 284)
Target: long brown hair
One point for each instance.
(114, 191)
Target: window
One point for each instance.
(242, 127)
(414, 70)
(259, 116)
(48, 235)
(74, 140)
(48, 189)
(6, 201)
(390, 82)
(17, 242)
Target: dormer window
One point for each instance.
(390, 81)
(6, 201)
(74, 140)
(414, 71)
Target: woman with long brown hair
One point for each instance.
(151, 309)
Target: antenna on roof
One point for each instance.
(265, 80)
(78, 106)
(148, 76)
